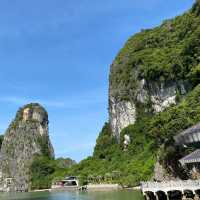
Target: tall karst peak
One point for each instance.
(26, 137)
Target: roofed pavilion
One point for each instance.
(188, 136)
(191, 162)
(194, 157)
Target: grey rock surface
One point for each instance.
(26, 137)
(154, 96)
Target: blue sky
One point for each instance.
(58, 53)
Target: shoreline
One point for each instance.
(89, 188)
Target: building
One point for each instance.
(67, 182)
(188, 136)
(191, 162)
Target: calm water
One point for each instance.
(120, 195)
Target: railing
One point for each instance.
(189, 184)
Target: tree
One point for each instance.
(195, 75)
(41, 171)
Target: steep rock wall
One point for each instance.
(122, 114)
(152, 96)
(26, 137)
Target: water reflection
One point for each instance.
(119, 195)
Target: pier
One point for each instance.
(189, 189)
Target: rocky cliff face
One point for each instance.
(26, 137)
(122, 114)
(126, 104)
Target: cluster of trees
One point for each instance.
(111, 164)
(41, 171)
(44, 170)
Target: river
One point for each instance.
(114, 195)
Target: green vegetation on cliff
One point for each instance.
(169, 52)
(110, 163)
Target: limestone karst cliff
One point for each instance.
(26, 137)
(154, 68)
(151, 97)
